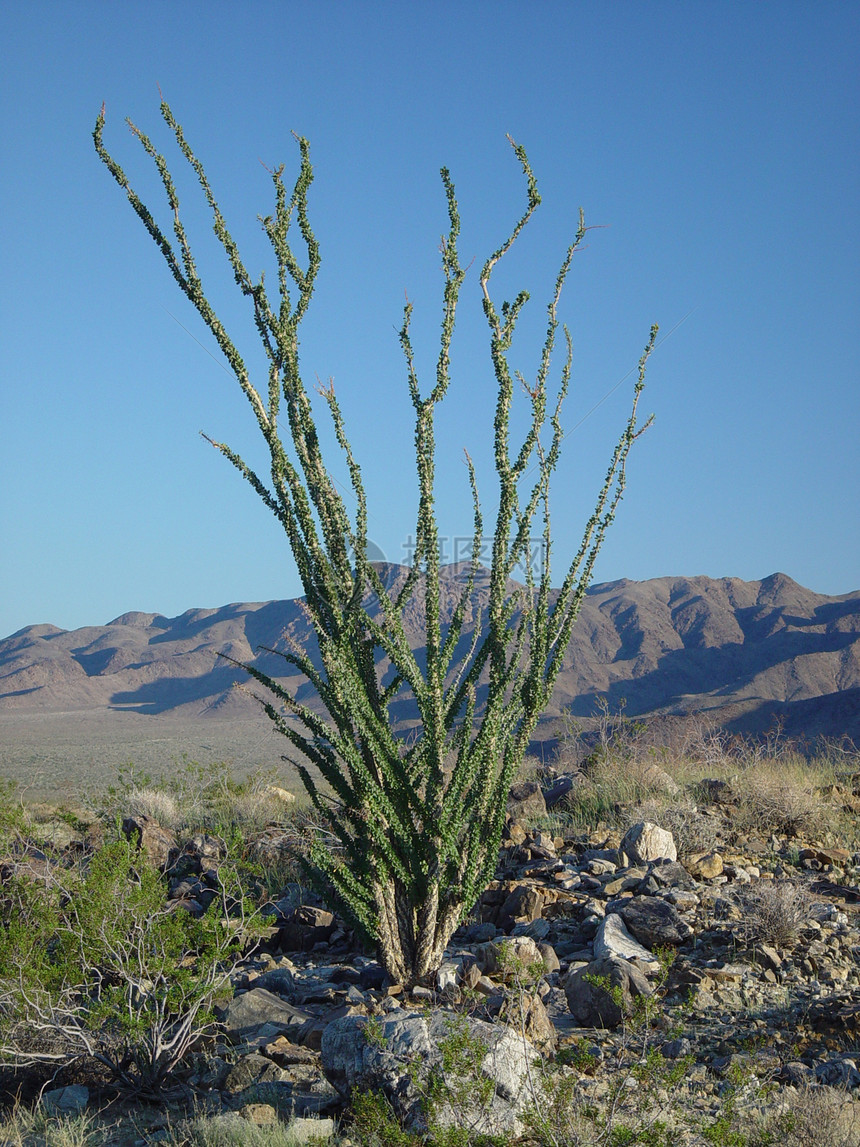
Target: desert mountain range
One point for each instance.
(749, 652)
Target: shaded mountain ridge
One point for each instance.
(749, 652)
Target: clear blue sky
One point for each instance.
(717, 143)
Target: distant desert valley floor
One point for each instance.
(59, 756)
(76, 705)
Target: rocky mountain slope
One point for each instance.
(750, 652)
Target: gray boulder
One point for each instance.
(659, 780)
(252, 1070)
(147, 835)
(840, 1072)
(590, 992)
(260, 1013)
(70, 1100)
(525, 902)
(305, 927)
(400, 1053)
(526, 1013)
(499, 956)
(654, 922)
(559, 789)
(671, 874)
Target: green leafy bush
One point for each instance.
(13, 817)
(94, 962)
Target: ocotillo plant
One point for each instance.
(419, 822)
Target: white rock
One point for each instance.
(613, 939)
(448, 975)
(646, 841)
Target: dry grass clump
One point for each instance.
(157, 803)
(276, 850)
(176, 799)
(255, 804)
(252, 811)
(628, 764)
(779, 795)
(754, 1115)
(813, 1115)
(772, 786)
(35, 1128)
(232, 1130)
(193, 797)
(684, 746)
(531, 769)
(774, 911)
(614, 784)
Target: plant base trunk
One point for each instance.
(411, 943)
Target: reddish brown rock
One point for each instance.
(524, 903)
(155, 842)
(305, 927)
(704, 865)
(526, 801)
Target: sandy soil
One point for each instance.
(54, 756)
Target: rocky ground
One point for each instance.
(603, 981)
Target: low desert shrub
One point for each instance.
(755, 1113)
(639, 1109)
(374, 1123)
(823, 1116)
(14, 820)
(773, 912)
(779, 796)
(95, 963)
(692, 744)
(531, 769)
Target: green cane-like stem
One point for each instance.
(418, 821)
